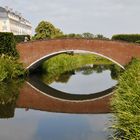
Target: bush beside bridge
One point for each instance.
(127, 37)
(10, 68)
(21, 38)
(8, 44)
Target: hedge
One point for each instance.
(126, 37)
(21, 38)
(8, 44)
(138, 41)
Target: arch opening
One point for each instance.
(35, 64)
(67, 95)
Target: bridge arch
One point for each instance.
(119, 52)
(36, 63)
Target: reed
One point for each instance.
(126, 104)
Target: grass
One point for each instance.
(62, 63)
(126, 104)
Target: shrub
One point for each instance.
(8, 44)
(138, 41)
(21, 38)
(126, 37)
(10, 68)
(126, 104)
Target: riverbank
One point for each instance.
(63, 63)
(126, 104)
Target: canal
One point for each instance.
(74, 105)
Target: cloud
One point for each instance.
(96, 16)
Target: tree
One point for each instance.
(47, 30)
(88, 35)
(99, 36)
(73, 35)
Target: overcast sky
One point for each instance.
(105, 17)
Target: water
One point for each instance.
(27, 114)
(38, 125)
(95, 82)
(86, 80)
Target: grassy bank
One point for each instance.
(10, 68)
(126, 104)
(64, 62)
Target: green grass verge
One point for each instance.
(126, 104)
(64, 62)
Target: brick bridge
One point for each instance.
(33, 52)
(119, 52)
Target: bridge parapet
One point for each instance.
(119, 52)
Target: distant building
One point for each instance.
(11, 21)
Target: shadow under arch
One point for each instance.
(44, 89)
(37, 63)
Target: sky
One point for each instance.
(105, 17)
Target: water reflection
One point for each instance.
(35, 125)
(85, 70)
(85, 80)
(31, 98)
(38, 119)
(36, 116)
(9, 92)
(88, 82)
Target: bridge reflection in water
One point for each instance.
(30, 98)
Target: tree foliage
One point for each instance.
(46, 30)
(88, 35)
